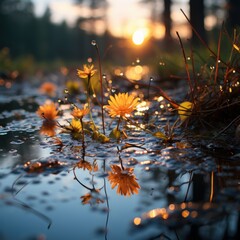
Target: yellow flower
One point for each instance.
(80, 113)
(125, 180)
(48, 88)
(48, 111)
(48, 128)
(87, 72)
(75, 126)
(121, 105)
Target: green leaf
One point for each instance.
(103, 138)
(115, 133)
(100, 137)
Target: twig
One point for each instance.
(228, 126)
(186, 65)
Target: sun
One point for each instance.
(138, 36)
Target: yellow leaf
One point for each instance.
(103, 138)
(100, 137)
(160, 135)
(185, 110)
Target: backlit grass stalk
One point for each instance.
(89, 99)
(101, 83)
(201, 39)
(218, 57)
(186, 66)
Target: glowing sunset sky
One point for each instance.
(124, 17)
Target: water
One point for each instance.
(189, 189)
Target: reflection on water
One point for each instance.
(137, 189)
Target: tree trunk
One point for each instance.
(167, 19)
(197, 20)
(233, 12)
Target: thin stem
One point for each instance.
(118, 124)
(108, 209)
(101, 86)
(75, 177)
(83, 137)
(88, 99)
(193, 70)
(201, 40)
(186, 65)
(228, 126)
(217, 59)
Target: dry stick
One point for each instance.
(201, 40)
(230, 57)
(186, 65)
(228, 126)
(212, 187)
(193, 69)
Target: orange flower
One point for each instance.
(48, 128)
(84, 165)
(48, 111)
(121, 105)
(87, 71)
(125, 180)
(80, 113)
(48, 88)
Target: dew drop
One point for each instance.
(94, 43)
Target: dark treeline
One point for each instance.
(25, 34)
